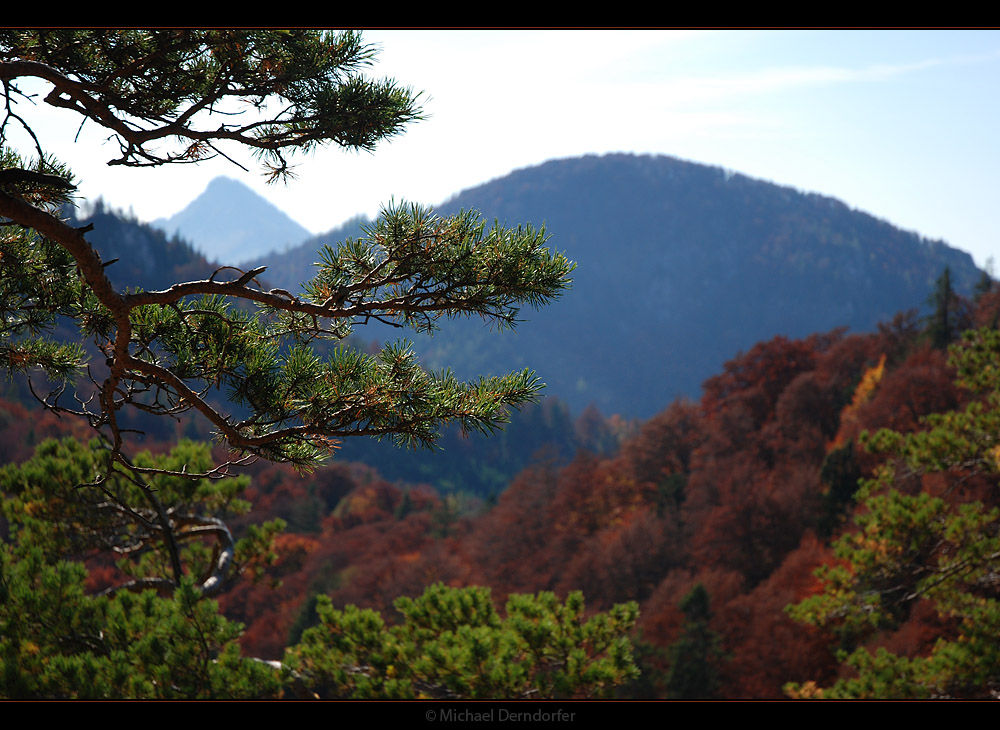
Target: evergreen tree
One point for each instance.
(56, 641)
(181, 96)
(983, 287)
(160, 94)
(453, 644)
(949, 316)
(695, 656)
(985, 283)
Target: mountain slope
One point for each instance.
(680, 267)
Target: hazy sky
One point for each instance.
(900, 124)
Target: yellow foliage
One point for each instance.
(862, 394)
(805, 691)
(995, 455)
(866, 388)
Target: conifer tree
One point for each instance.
(170, 97)
(948, 317)
(175, 97)
(453, 644)
(694, 657)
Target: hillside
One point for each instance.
(144, 256)
(681, 266)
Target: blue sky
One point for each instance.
(901, 124)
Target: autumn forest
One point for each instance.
(742, 495)
(765, 466)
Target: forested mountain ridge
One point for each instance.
(680, 266)
(144, 256)
(650, 315)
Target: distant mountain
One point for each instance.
(230, 223)
(681, 266)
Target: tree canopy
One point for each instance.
(926, 539)
(453, 644)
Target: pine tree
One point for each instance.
(694, 657)
(949, 316)
(985, 284)
(453, 644)
(182, 96)
(169, 97)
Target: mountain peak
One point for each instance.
(224, 182)
(231, 223)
